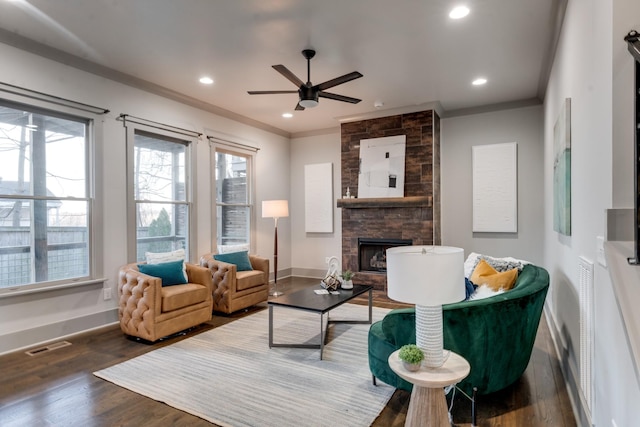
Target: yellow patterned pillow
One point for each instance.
(484, 274)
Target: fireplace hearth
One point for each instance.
(372, 256)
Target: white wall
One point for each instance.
(29, 319)
(458, 135)
(626, 17)
(311, 249)
(583, 70)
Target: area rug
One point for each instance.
(230, 377)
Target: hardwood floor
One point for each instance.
(58, 388)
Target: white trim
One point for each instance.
(190, 138)
(234, 143)
(158, 126)
(236, 149)
(50, 105)
(45, 334)
(25, 290)
(29, 95)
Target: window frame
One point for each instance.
(240, 150)
(164, 132)
(21, 99)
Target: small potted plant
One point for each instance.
(411, 356)
(347, 283)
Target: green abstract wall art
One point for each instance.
(562, 170)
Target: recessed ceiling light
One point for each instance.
(479, 81)
(287, 115)
(206, 80)
(459, 12)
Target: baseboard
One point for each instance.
(282, 274)
(25, 339)
(312, 273)
(571, 378)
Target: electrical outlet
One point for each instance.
(106, 293)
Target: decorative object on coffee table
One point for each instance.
(411, 357)
(275, 209)
(331, 282)
(347, 283)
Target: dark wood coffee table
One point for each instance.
(308, 300)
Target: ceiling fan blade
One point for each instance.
(299, 107)
(288, 74)
(339, 97)
(270, 92)
(339, 80)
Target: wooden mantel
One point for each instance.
(386, 202)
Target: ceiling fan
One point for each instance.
(309, 93)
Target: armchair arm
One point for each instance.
(399, 326)
(222, 273)
(199, 275)
(262, 264)
(139, 300)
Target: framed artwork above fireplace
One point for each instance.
(382, 167)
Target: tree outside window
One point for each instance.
(44, 196)
(160, 192)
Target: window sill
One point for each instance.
(16, 291)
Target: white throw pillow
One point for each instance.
(470, 264)
(161, 257)
(225, 249)
(500, 264)
(484, 291)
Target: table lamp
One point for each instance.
(275, 209)
(427, 276)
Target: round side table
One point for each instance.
(428, 405)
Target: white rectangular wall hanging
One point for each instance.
(382, 167)
(318, 198)
(495, 187)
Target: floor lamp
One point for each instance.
(275, 209)
(427, 276)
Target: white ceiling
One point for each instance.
(409, 51)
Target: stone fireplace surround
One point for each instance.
(416, 216)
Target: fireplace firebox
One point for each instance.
(372, 256)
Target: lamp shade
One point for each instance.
(275, 208)
(426, 275)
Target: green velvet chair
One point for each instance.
(495, 334)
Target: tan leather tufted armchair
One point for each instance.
(234, 290)
(149, 311)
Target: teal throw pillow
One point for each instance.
(171, 273)
(240, 259)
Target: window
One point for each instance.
(233, 200)
(161, 193)
(45, 196)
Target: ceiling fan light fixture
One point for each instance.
(308, 103)
(308, 93)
